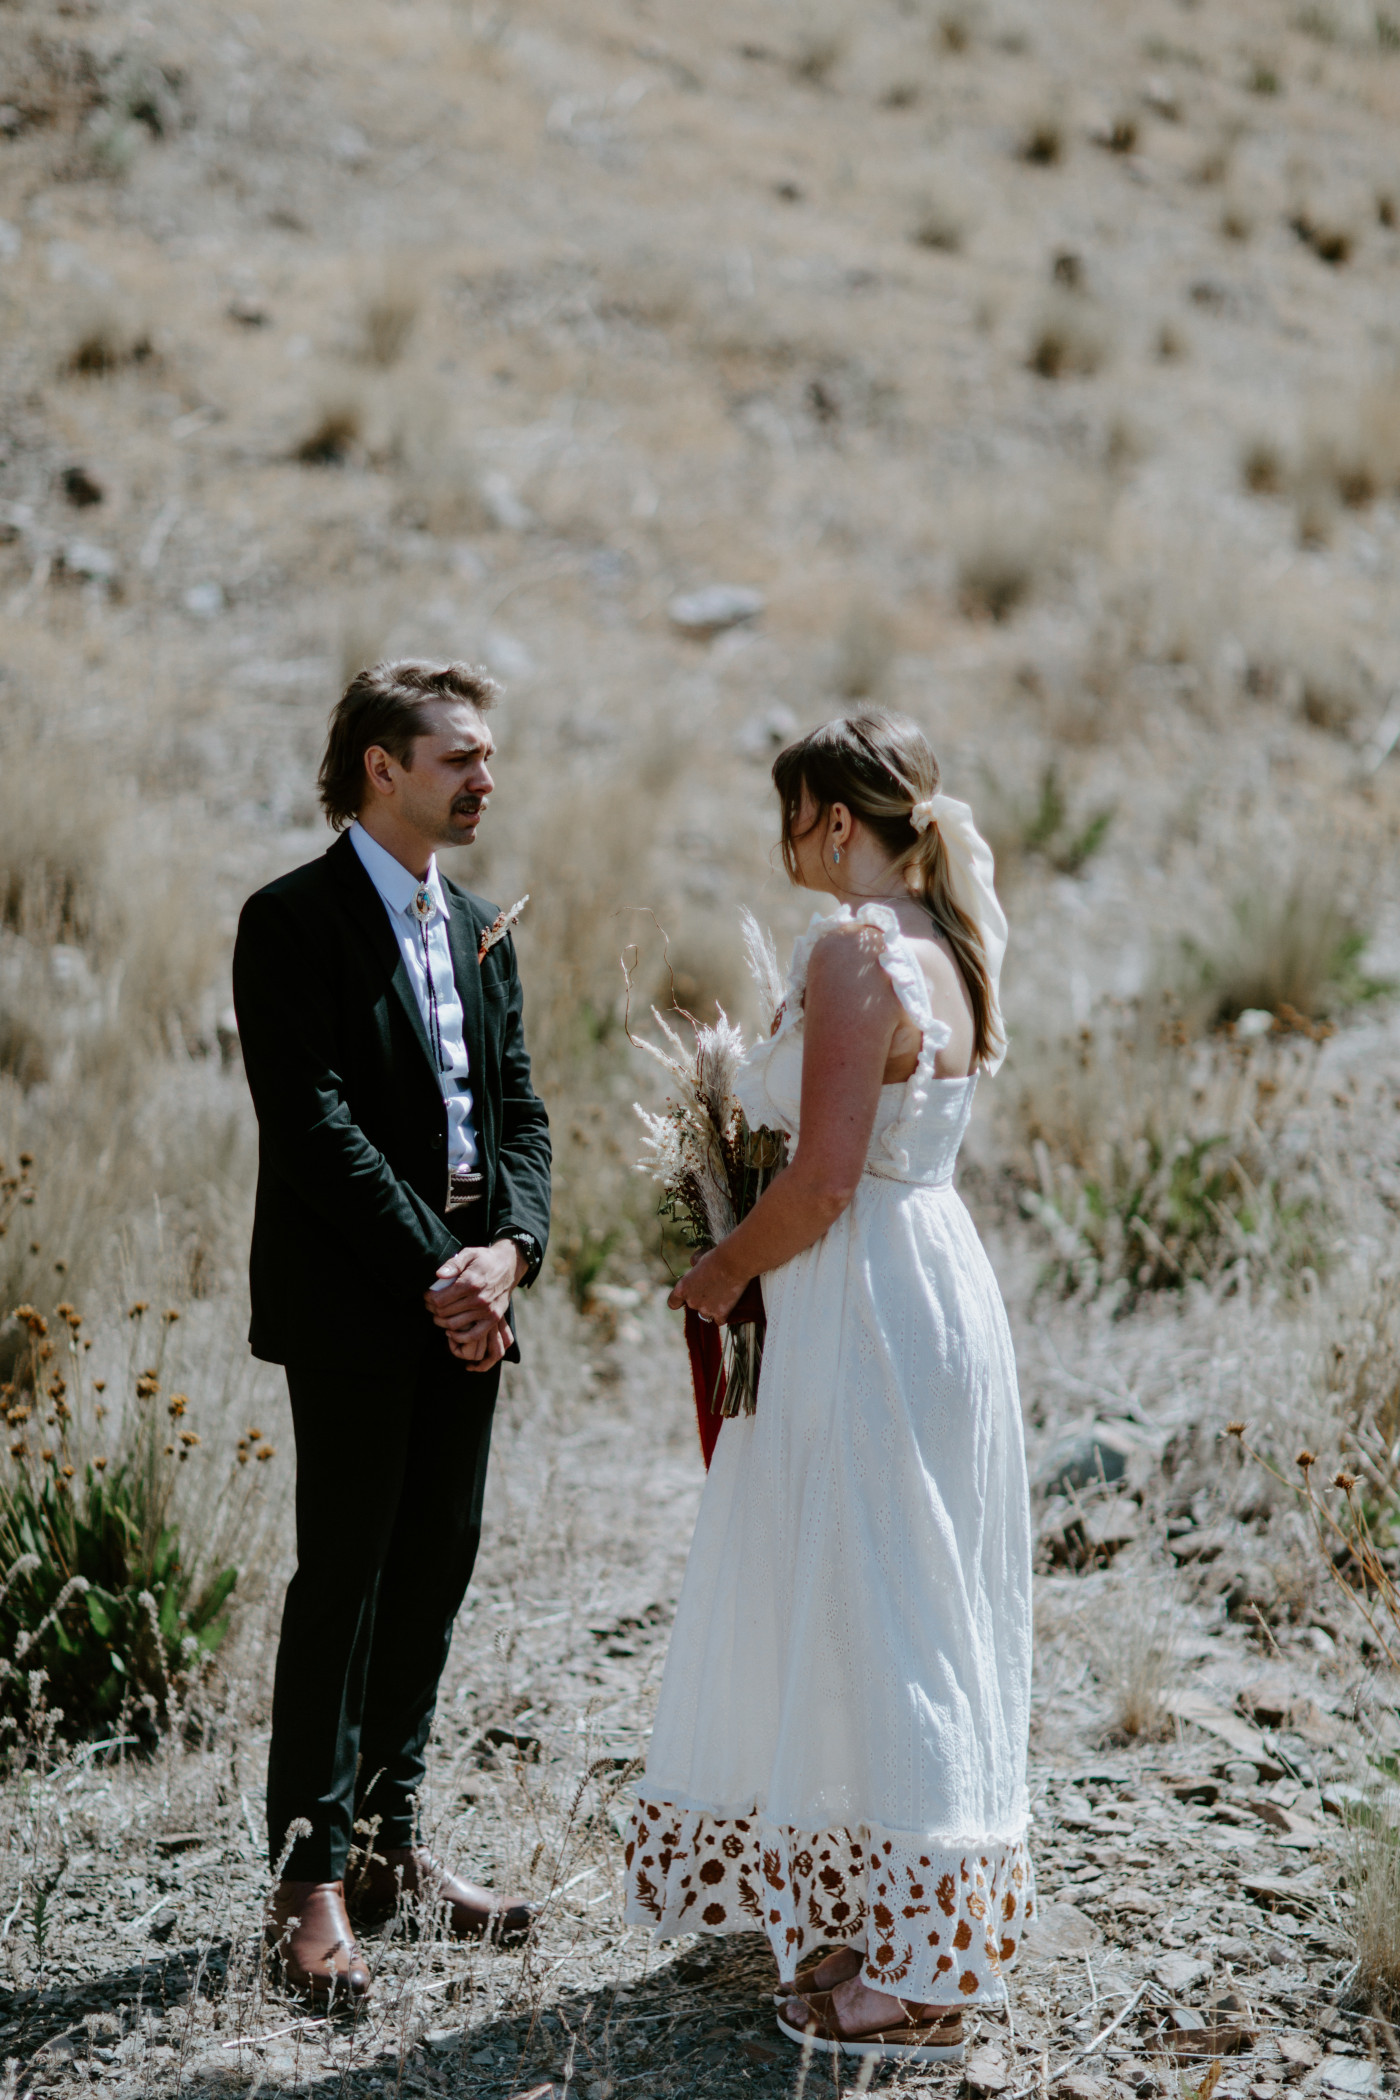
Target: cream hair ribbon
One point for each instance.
(970, 879)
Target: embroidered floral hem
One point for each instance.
(933, 1920)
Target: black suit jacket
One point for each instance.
(349, 1227)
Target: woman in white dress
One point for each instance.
(839, 1753)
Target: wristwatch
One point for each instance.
(529, 1247)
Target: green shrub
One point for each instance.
(1155, 1161)
(107, 1625)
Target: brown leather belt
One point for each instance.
(464, 1186)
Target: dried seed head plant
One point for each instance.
(710, 1166)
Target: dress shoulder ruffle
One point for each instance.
(901, 966)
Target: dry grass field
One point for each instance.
(1038, 369)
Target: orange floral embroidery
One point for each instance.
(802, 1889)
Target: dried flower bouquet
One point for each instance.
(711, 1167)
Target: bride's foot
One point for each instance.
(868, 2022)
(862, 2011)
(837, 1966)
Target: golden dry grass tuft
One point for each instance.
(1133, 1641)
(389, 314)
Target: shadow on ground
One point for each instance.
(700, 2025)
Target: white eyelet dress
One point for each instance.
(839, 1751)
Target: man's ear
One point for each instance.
(377, 770)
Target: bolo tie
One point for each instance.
(464, 1184)
(423, 909)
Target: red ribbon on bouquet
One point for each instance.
(706, 1346)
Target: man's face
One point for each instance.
(442, 794)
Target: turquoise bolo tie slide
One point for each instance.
(422, 906)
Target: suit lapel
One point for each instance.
(366, 907)
(463, 934)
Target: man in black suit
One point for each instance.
(403, 1195)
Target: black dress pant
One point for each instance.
(391, 1472)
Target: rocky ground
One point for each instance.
(1191, 1878)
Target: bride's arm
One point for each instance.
(851, 1015)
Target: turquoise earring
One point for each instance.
(836, 855)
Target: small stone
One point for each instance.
(1297, 2049)
(1350, 2074)
(1181, 1973)
(86, 559)
(204, 600)
(986, 2070)
(1268, 1702)
(718, 606)
(1079, 2086)
(1204, 1791)
(1201, 1545)
(1136, 1902)
(1281, 1896)
(1060, 1929)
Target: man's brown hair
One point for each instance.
(386, 705)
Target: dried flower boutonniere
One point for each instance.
(500, 926)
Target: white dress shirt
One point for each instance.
(397, 887)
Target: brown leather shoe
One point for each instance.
(308, 1929)
(472, 1913)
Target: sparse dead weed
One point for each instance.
(1133, 1639)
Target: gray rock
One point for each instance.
(718, 606)
(204, 600)
(86, 559)
(1061, 1929)
(1181, 1973)
(1077, 1464)
(1347, 2074)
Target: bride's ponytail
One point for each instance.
(882, 767)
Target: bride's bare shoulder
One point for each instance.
(846, 954)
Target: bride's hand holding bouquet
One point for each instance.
(712, 1288)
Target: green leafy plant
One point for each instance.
(107, 1623)
(1048, 829)
(1157, 1161)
